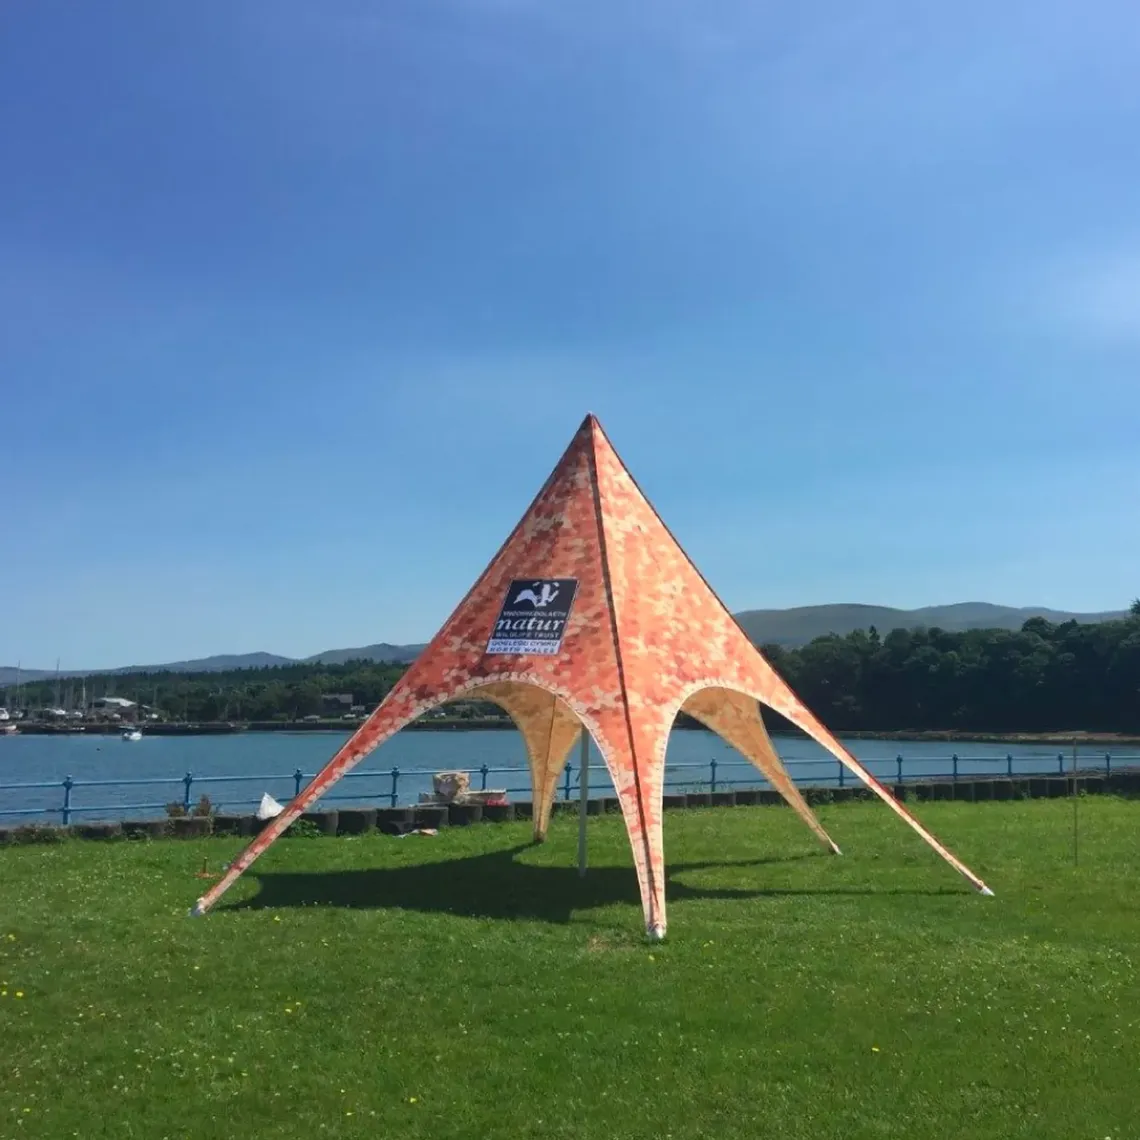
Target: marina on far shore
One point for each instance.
(33, 726)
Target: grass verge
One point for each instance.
(471, 985)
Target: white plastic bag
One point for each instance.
(268, 807)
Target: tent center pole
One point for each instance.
(583, 800)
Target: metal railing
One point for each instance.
(825, 773)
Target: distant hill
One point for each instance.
(382, 651)
(215, 664)
(789, 628)
(794, 627)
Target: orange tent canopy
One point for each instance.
(591, 615)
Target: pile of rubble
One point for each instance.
(455, 788)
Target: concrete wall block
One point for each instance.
(461, 815)
(355, 821)
(192, 826)
(498, 813)
(146, 828)
(398, 820)
(427, 815)
(98, 830)
(226, 824)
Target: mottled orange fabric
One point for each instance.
(549, 729)
(735, 718)
(645, 636)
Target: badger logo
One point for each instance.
(546, 594)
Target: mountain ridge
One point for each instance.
(799, 625)
(788, 628)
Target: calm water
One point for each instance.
(266, 762)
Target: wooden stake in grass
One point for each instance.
(583, 801)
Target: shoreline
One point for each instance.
(222, 728)
(951, 736)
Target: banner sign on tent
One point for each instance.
(533, 616)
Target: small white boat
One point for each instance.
(132, 734)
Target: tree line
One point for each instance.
(273, 692)
(1040, 678)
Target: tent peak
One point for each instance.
(592, 426)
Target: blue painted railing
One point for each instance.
(711, 777)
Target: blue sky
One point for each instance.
(302, 301)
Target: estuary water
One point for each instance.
(115, 779)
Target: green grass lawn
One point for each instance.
(470, 985)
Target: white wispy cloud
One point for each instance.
(1095, 296)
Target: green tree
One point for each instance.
(1040, 678)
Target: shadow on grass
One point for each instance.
(499, 885)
